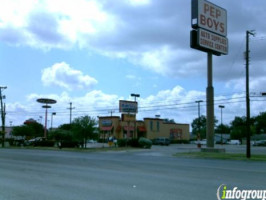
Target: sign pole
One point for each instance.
(210, 105)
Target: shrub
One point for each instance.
(133, 143)
(122, 142)
(44, 143)
(179, 141)
(145, 143)
(69, 144)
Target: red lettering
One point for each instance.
(209, 23)
(212, 11)
(206, 8)
(202, 20)
(218, 13)
(216, 24)
(222, 27)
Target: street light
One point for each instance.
(52, 114)
(221, 106)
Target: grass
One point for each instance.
(221, 156)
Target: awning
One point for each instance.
(106, 128)
(128, 128)
(141, 128)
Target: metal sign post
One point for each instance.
(210, 105)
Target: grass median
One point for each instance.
(221, 156)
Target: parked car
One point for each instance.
(162, 141)
(235, 142)
(260, 143)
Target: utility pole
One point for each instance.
(70, 108)
(198, 102)
(111, 111)
(248, 154)
(3, 114)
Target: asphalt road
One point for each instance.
(148, 174)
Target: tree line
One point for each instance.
(79, 131)
(236, 128)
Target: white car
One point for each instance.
(235, 142)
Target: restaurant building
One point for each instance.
(151, 128)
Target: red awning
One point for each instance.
(141, 128)
(106, 128)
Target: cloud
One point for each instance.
(62, 75)
(153, 35)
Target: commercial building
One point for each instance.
(128, 127)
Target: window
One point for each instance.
(158, 126)
(151, 125)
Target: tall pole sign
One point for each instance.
(209, 23)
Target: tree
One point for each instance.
(222, 128)
(83, 129)
(239, 127)
(199, 126)
(24, 131)
(260, 123)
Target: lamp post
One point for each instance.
(3, 114)
(54, 113)
(221, 106)
(135, 96)
(198, 102)
(46, 106)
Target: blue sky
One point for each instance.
(94, 53)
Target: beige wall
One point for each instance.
(157, 128)
(154, 128)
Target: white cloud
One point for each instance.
(62, 75)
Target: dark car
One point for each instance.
(162, 141)
(260, 143)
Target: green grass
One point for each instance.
(221, 156)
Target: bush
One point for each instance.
(122, 142)
(44, 143)
(145, 143)
(69, 144)
(133, 143)
(179, 141)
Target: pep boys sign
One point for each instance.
(208, 16)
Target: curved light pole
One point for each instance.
(46, 106)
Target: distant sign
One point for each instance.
(209, 16)
(106, 122)
(128, 106)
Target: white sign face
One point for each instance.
(212, 17)
(212, 41)
(128, 106)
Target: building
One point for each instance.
(128, 127)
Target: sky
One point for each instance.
(95, 53)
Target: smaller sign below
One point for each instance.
(128, 117)
(209, 42)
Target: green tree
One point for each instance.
(260, 123)
(223, 128)
(83, 129)
(199, 126)
(24, 131)
(239, 127)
